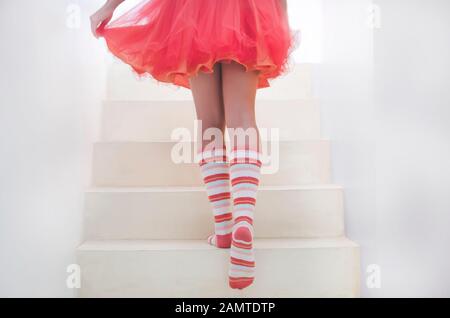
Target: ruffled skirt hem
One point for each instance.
(173, 41)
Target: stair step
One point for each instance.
(123, 84)
(284, 268)
(145, 164)
(185, 213)
(156, 120)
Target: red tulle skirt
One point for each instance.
(173, 40)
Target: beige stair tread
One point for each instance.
(159, 268)
(158, 245)
(202, 189)
(144, 164)
(126, 120)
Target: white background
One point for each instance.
(385, 106)
(52, 79)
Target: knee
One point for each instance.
(241, 120)
(243, 132)
(212, 123)
(212, 130)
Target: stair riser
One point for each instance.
(156, 121)
(307, 272)
(152, 164)
(124, 85)
(187, 215)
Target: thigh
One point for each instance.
(207, 93)
(239, 93)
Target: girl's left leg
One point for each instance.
(207, 93)
(239, 92)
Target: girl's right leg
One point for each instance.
(207, 93)
(239, 92)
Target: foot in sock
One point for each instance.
(220, 241)
(245, 169)
(216, 176)
(242, 258)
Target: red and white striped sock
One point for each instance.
(216, 176)
(245, 169)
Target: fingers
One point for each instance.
(94, 25)
(102, 26)
(97, 25)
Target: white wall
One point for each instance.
(412, 95)
(51, 83)
(306, 18)
(385, 106)
(343, 84)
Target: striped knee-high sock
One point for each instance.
(245, 167)
(216, 176)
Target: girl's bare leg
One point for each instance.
(207, 93)
(239, 93)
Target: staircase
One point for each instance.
(147, 218)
